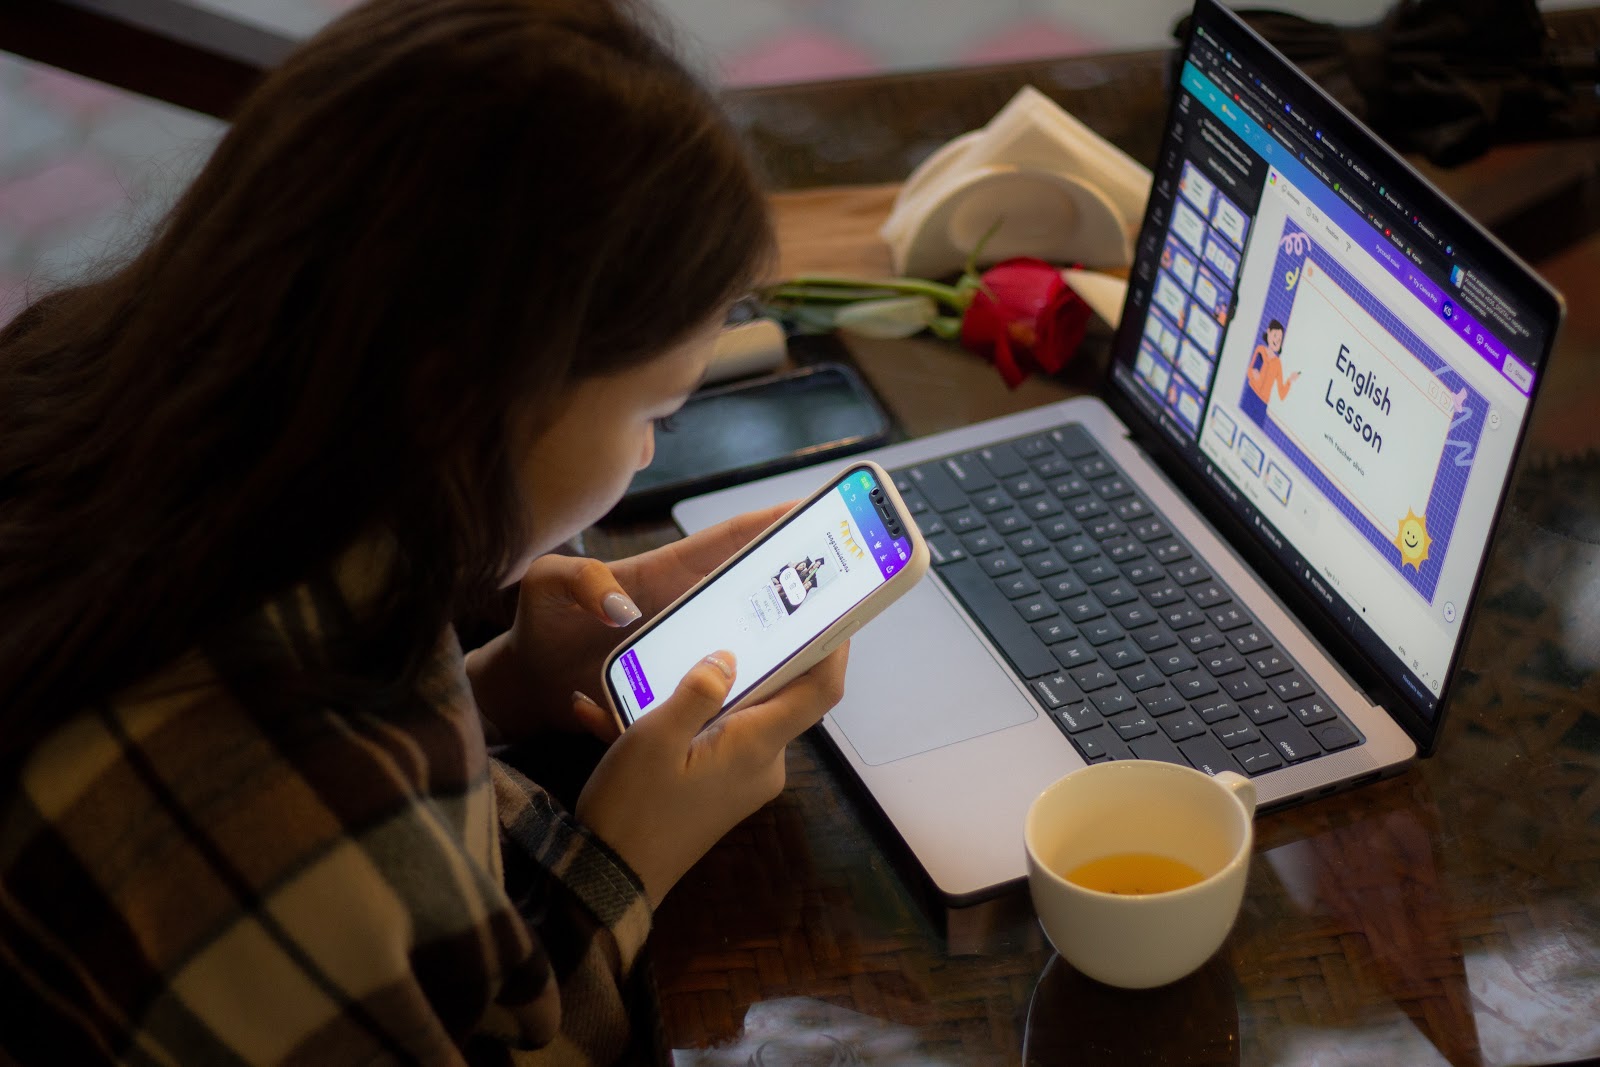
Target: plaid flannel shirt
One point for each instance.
(188, 877)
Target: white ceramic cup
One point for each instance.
(1137, 942)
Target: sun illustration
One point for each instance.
(1413, 540)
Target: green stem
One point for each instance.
(944, 294)
(826, 294)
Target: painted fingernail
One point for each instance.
(723, 662)
(619, 609)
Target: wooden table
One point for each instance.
(1451, 915)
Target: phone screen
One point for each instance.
(795, 583)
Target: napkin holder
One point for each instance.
(1043, 182)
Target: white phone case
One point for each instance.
(823, 643)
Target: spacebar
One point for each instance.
(999, 619)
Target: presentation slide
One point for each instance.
(1362, 408)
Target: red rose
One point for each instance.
(1024, 318)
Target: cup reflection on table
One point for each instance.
(1139, 824)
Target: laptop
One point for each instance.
(1258, 547)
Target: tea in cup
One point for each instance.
(1137, 869)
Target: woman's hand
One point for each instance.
(570, 612)
(666, 792)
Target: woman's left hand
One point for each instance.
(572, 611)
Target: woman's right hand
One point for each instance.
(666, 791)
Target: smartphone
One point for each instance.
(786, 600)
(755, 428)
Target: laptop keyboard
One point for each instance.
(1125, 638)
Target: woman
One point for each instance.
(1265, 373)
(409, 329)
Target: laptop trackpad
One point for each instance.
(919, 680)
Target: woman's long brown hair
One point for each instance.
(435, 214)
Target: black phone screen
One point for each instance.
(751, 429)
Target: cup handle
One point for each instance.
(1239, 786)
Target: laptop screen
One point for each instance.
(1344, 360)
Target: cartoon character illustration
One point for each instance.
(1265, 373)
(1413, 540)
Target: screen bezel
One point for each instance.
(891, 501)
(1476, 243)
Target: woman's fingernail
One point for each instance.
(723, 662)
(619, 609)
(581, 697)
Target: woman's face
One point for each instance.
(604, 431)
(1275, 340)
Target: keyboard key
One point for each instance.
(1181, 725)
(1221, 663)
(1073, 653)
(1116, 593)
(1181, 616)
(1057, 691)
(1092, 677)
(1174, 661)
(1194, 684)
(1044, 564)
(1312, 711)
(1031, 448)
(1264, 709)
(1190, 573)
(1004, 461)
(1017, 585)
(1026, 541)
(902, 481)
(1096, 570)
(1132, 616)
(1209, 594)
(1151, 529)
(1163, 594)
(1205, 754)
(1241, 686)
(1333, 736)
(1035, 607)
(1270, 663)
(968, 473)
(1112, 701)
(1229, 617)
(1082, 608)
(1040, 507)
(1101, 743)
(1009, 522)
(1060, 528)
(1291, 686)
(964, 521)
(1051, 466)
(1086, 508)
(1132, 724)
(1291, 740)
(1077, 548)
(1122, 549)
(981, 541)
(1162, 701)
(1103, 526)
(1074, 441)
(1131, 509)
(1140, 677)
(1157, 747)
(931, 480)
(1102, 632)
(990, 501)
(931, 524)
(1113, 488)
(1069, 487)
(1143, 571)
(1258, 758)
(999, 564)
(1094, 466)
(1121, 654)
(1015, 639)
(1078, 717)
(913, 500)
(1236, 732)
(944, 548)
(1202, 639)
(1064, 586)
(1169, 551)
(1155, 638)
(1249, 640)
(1216, 708)
(1025, 486)
(1054, 631)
